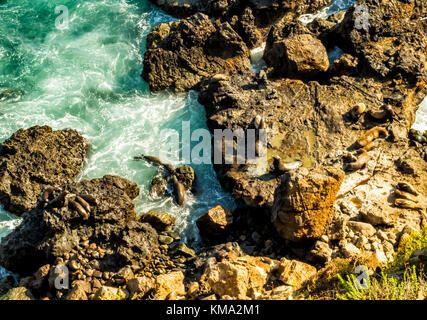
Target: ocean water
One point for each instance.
(87, 77)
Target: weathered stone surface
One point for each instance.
(292, 51)
(295, 273)
(303, 202)
(214, 222)
(186, 176)
(140, 285)
(168, 285)
(54, 230)
(181, 54)
(160, 221)
(241, 278)
(393, 42)
(344, 65)
(35, 158)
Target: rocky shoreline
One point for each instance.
(360, 192)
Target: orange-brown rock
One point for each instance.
(214, 222)
(303, 202)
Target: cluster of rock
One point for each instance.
(351, 133)
(346, 121)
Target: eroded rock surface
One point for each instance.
(32, 159)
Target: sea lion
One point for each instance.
(88, 198)
(405, 195)
(361, 161)
(281, 166)
(404, 186)
(79, 209)
(370, 146)
(370, 136)
(358, 110)
(385, 112)
(179, 191)
(60, 199)
(158, 161)
(407, 204)
(83, 203)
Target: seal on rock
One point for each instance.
(179, 191)
(370, 136)
(361, 161)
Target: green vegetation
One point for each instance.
(416, 240)
(409, 286)
(397, 281)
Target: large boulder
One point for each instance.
(292, 51)
(214, 222)
(240, 278)
(57, 229)
(35, 158)
(303, 202)
(181, 54)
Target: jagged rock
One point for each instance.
(303, 202)
(35, 158)
(181, 54)
(344, 65)
(214, 222)
(18, 293)
(169, 284)
(79, 291)
(321, 252)
(160, 221)
(140, 286)
(181, 249)
(387, 37)
(240, 278)
(362, 228)
(295, 273)
(158, 187)
(294, 54)
(186, 176)
(52, 231)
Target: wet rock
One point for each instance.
(292, 51)
(158, 187)
(169, 284)
(54, 231)
(159, 220)
(18, 293)
(295, 273)
(303, 202)
(186, 176)
(214, 222)
(181, 54)
(34, 159)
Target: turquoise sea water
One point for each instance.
(87, 77)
